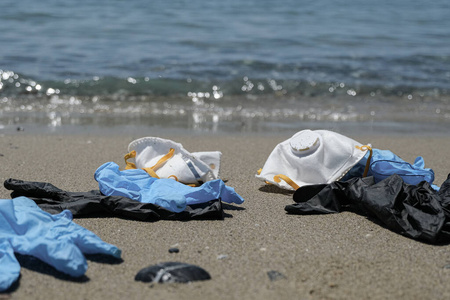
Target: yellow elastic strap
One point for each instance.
(289, 181)
(130, 165)
(151, 170)
(365, 148)
(163, 159)
(259, 173)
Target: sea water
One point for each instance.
(225, 66)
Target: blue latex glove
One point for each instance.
(167, 193)
(384, 163)
(54, 239)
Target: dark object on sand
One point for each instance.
(174, 250)
(169, 272)
(275, 275)
(83, 204)
(416, 211)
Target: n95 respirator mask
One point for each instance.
(311, 157)
(163, 158)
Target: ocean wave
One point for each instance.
(361, 83)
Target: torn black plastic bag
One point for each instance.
(82, 204)
(416, 211)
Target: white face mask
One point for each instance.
(163, 158)
(311, 157)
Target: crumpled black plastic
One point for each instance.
(416, 211)
(82, 204)
(170, 272)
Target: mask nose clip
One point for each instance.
(304, 143)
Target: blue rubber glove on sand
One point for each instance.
(167, 193)
(384, 163)
(54, 239)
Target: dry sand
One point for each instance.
(339, 256)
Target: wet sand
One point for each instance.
(339, 256)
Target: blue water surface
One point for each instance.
(258, 56)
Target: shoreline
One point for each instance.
(233, 128)
(338, 256)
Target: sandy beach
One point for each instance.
(338, 256)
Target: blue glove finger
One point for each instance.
(210, 190)
(419, 162)
(10, 267)
(64, 245)
(90, 243)
(166, 189)
(63, 255)
(87, 241)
